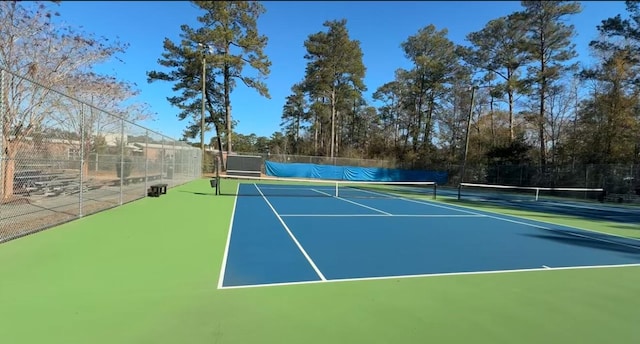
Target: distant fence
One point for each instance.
(74, 159)
(622, 179)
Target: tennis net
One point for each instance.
(490, 192)
(277, 186)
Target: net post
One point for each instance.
(216, 166)
(336, 193)
(602, 196)
(537, 193)
(459, 190)
(216, 173)
(435, 190)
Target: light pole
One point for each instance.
(204, 48)
(473, 88)
(466, 144)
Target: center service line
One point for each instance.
(356, 203)
(306, 255)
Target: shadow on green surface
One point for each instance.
(199, 193)
(541, 209)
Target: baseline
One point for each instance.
(381, 215)
(543, 268)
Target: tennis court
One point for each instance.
(281, 238)
(181, 268)
(558, 201)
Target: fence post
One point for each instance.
(521, 175)
(162, 154)
(82, 143)
(197, 167)
(173, 162)
(2, 111)
(121, 159)
(586, 176)
(146, 161)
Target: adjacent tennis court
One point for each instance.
(281, 238)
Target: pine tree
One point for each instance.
(229, 29)
(335, 70)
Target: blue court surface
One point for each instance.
(276, 240)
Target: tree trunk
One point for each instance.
(296, 149)
(511, 132)
(510, 100)
(543, 91)
(338, 134)
(427, 125)
(543, 155)
(333, 121)
(222, 163)
(396, 132)
(493, 125)
(416, 130)
(227, 104)
(316, 129)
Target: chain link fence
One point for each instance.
(615, 178)
(63, 158)
(621, 181)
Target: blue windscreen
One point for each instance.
(304, 170)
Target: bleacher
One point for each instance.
(244, 165)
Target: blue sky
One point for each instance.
(380, 26)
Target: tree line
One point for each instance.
(513, 91)
(533, 104)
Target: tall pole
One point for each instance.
(204, 95)
(466, 145)
(2, 111)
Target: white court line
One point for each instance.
(440, 206)
(364, 206)
(377, 215)
(306, 255)
(423, 202)
(352, 202)
(322, 192)
(433, 275)
(546, 267)
(624, 211)
(226, 248)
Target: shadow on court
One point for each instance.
(567, 238)
(571, 208)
